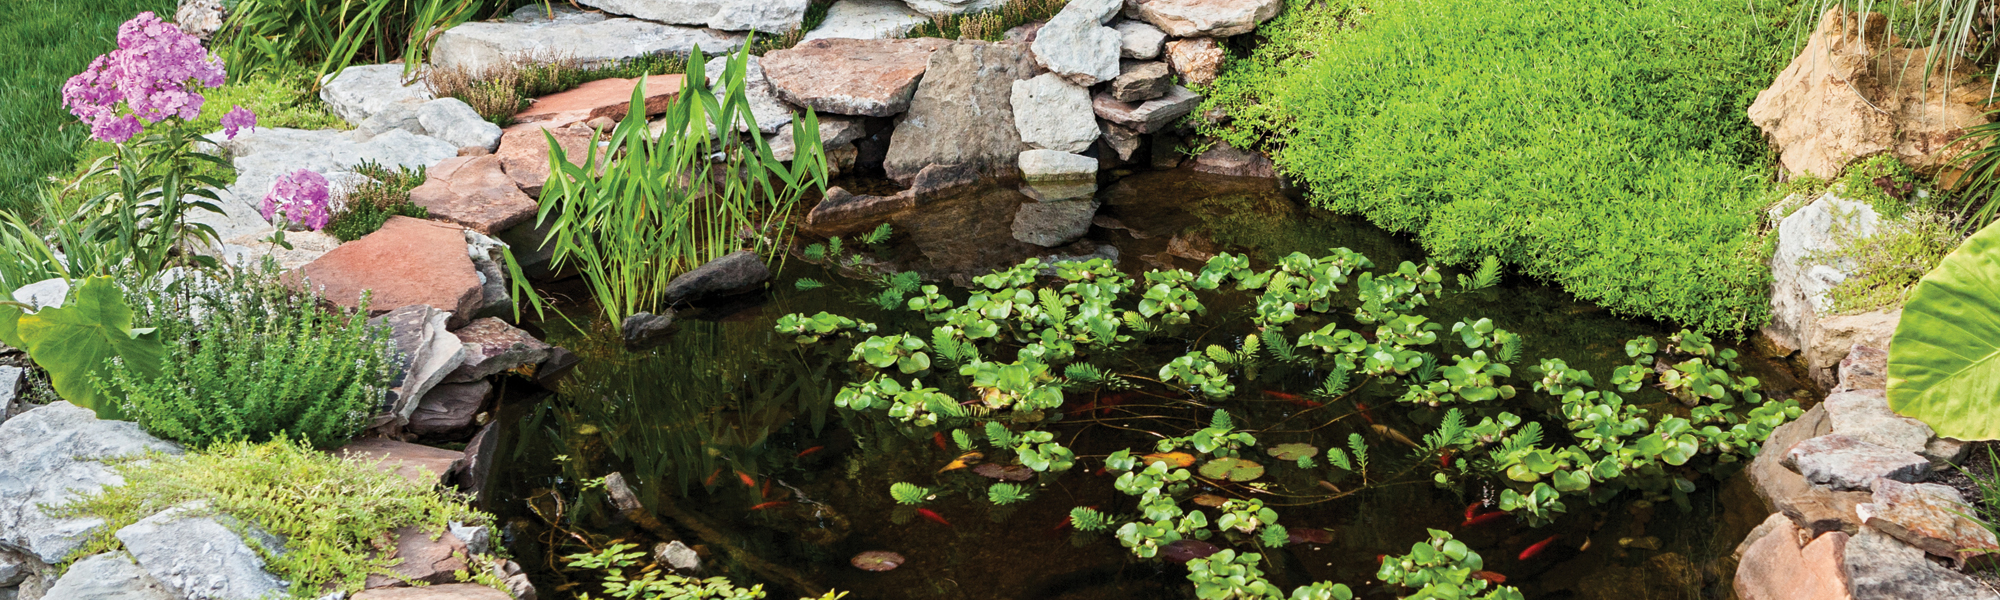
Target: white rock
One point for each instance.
(43, 294)
(265, 154)
(1076, 44)
(454, 121)
(940, 8)
(590, 38)
(867, 20)
(1051, 165)
(1799, 302)
(49, 456)
(357, 93)
(1139, 39)
(108, 576)
(1206, 18)
(195, 555)
(772, 113)
(400, 115)
(1054, 114)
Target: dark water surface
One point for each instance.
(727, 400)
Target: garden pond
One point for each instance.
(729, 437)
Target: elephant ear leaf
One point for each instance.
(10, 320)
(76, 342)
(1944, 362)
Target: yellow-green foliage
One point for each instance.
(1885, 266)
(332, 512)
(1600, 144)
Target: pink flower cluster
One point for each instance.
(150, 74)
(300, 198)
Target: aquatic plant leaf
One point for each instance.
(1173, 459)
(1944, 362)
(1292, 451)
(76, 342)
(1209, 500)
(877, 561)
(1232, 469)
(1006, 493)
(909, 493)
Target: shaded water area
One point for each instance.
(729, 437)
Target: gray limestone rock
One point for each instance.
(1149, 116)
(677, 555)
(454, 121)
(109, 576)
(1076, 45)
(1050, 165)
(1800, 308)
(1847, 464)
(1051, 224)
(867, 20)
(1864, 415)
(1141, 81)
(587, 37)
(263, 155)
(962, 113)
(197, 556)
(1881, 567)
(940, 8)
(1053, 113)
(49, 456)
(400, 115)
(10, 391)
(768, 16)
(834, 131)
(1206, 18)
(773, 114)
(358, 93)
(1139, 39)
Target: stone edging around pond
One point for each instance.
(1851, 517)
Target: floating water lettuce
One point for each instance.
(1944, 363)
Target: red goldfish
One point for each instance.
(803, 453)
(932, 516)
(748, 481)
(770, 504)
(1539, 547)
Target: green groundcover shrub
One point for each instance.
(1600, 144)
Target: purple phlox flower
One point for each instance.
(149, 74)
(300, 198)
(236, 120)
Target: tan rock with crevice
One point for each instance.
(1776, 567)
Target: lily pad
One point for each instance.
(1292, 451)
(1232, 469)
(1004, 472)
(877, 561)
(1173, 459)
(1210, 500)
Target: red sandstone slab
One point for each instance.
(474, 192)
(408, 262)
(610, 98)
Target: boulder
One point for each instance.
(420, 464)
(1139, 39)
(200, 18)
(1205, 18)
(1121, 141)
(607, 98)
(1141, 81)
(1076, 45)
(768, 16)
(1198, 60)
(588, 37)
(735, 273)
(835, 131)
(678, 556)
(1774, 567)
(841, 212)
(449, 591)
(645, 330)
(1053, 113)
(108, 576)
(770, 112)
(524, 152)
(50, 456)
(1880, 567)
(196, 555)
(450, 410)
(962, 112)
(493, 347)
(428, 557)
(477, 538)
(1930, 517)
(1847, 464)
(1800, 308)
(875, 78)
(454, 121)
(473, 191)
(1149, 116)
(407, 262)
(1855, 91)
(867, 20)
(1054, 223)
(1224, 159)
(1815, 508)
(263, 155)
(401, 115)
(359, 92)
(943, 8)
(427, 352)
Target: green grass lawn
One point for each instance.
(42, 44)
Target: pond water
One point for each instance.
(728, 437)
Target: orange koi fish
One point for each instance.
(808, 451)
(932, 516)
(1483, 519)
(1539, 547)
(1490, 577)
(774, 503)
(748, 481)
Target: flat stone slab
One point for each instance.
(1881, 567)
(450, 409)
(1206, 18)
(420, 464)
(1929, 516)
(360, 91)
(875, 78)
(1864, 415)
(589, 37)
(264, 154)
(841, 212)
(195, 555)
(1139, 81)
(1224, 159)
(768, 16)
(50, 456)
(867, 20)
(1847, 464)
(474, 192)
(1039, 166)
(1149, 116)
(455, 122)
(962, 113)
(493, 347)
(734, 273)
(524, 151)
(407, 262)
(433, 561)
(608, 98)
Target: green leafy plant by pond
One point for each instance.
(1600, 145)
(1015, 355)
(326, 36)
(79, 342)
(652, 205)
(1944, 361)
(331, 512)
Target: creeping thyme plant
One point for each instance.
(1017, 354)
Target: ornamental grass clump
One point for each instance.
(251, 359)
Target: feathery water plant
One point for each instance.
(654, 205)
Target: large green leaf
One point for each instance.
(76, 342)
(1944, 363)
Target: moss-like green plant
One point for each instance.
(330, 511)
(624, 580)
(1887, 265)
